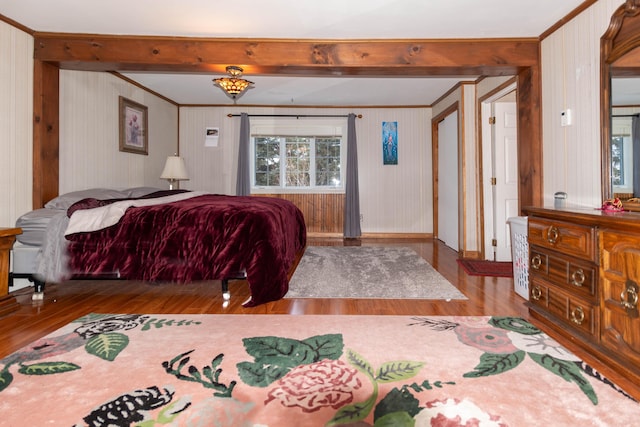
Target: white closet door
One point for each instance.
(506, 174)
(448, 181)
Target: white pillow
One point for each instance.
(141, 191)
(65, 200)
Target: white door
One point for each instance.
(506, 175)
(448, 181)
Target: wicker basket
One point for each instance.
(520, 255)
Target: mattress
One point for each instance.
(34, 225)
(24, 258)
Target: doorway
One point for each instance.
(499, 120)
(447, 191)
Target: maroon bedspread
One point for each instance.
(203, 238)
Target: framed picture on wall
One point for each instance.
(133, 127)
(390, 143)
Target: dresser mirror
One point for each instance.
(620, 101)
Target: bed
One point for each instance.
(178, 237)
(26, 255)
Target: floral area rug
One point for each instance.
(281, 370)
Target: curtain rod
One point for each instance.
(297, 116)
(626, 115)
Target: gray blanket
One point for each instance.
(52, 261)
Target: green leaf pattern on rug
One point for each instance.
(567, 370)
(274, 357)
(47, 368)
(354, 412)
(97, 333)
(107, 346)
(386, 373)
(209, 378)
(6, 378)
(514, 324)
(397, 371)
(503, 352)
(395, 419)
(163, 323)
(395, 406)
(361, 364)
(494, 364)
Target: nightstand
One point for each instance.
(8, 302)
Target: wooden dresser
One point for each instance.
(584, 278)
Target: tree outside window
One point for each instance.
(309, 162)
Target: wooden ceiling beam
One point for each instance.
(290, 57)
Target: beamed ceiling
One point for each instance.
(314, 40)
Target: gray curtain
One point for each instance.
(243, 180)
(352, 191)
(635, 134)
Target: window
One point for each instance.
(617, 160)
(622, 155)
(297, 162)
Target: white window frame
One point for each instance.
(302, 127)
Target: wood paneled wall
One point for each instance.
(16, 118)
(323, 213)
(89, 154)
(570, 78)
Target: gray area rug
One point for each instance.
(368, 272)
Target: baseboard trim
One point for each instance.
(396, 235)
(373, 236)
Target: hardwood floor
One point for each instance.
(65, 302)
(68, 301)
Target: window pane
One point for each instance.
(298, 162)
(617, 160)
(267, 161)
(328, 162)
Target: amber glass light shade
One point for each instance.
(234, 85)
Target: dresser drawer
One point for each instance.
(575, 313)
(569, 239)
(577, 278)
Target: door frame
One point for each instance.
(485, 132)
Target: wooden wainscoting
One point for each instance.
(323, 212)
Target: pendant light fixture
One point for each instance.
(234, 85)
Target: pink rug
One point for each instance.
(279, 370)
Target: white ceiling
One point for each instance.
(309, 19)
(625, 91)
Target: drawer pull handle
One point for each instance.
(553, 234)
(536, 293)
(577, 278)
(577, 315)
(629, 298)
(536, 262)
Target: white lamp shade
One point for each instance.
(174, 169)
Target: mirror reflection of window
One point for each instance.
(617, 160)
(622, 155)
